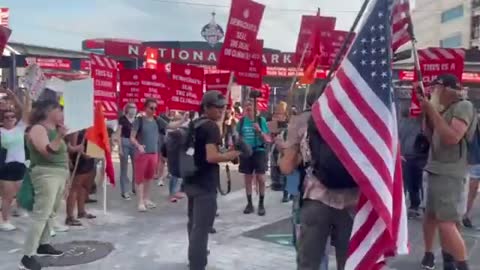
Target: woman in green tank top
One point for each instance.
(49, 173)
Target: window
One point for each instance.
(452, 42)
(452, 14)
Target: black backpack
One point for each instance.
(327, 168)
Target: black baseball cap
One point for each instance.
(214, 98)
(448, 80)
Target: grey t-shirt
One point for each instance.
(451, 160)
(149, 135)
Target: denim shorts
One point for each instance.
(474, 172)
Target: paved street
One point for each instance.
(157, 239)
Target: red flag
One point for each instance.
(98, 135)
(253, 76)
(151, 58)
(310, 72)
(4, 36)
(242, 30)
(187, 87)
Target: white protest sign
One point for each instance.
(34, 80)
(78, 105)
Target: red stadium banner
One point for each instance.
(187, 87)
(104, 74)
(242, 30)
(130, 88)
(155, 84)
(253, 76)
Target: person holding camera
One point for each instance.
(201, 188)
(253, 130)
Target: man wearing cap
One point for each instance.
(449, 121)
(201, 188)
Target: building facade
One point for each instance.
(447, 23)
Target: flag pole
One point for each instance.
(104, 193)
(229, 91)
(344, 47)
(294, 80)
(307, 91)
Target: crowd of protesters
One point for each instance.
(440, 180)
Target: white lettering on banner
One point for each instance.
(100, 93)
(187, 87)
(212, 57)
(184, 55)
(102, 83)
(186, 100)
(197, 56)
(161, 52)
(253, 75)
(275, 59)
(186, 79)
(133, 50)
(103, 73)
(129, 83)
(243, 25)
(154, 84)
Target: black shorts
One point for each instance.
(85, 165)
(255, 164)
(13, 171)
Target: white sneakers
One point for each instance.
(7, 227)
(147, 205)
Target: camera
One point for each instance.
(255, 94)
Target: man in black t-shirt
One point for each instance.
(201, 189)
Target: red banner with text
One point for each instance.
(104, 74)
(156, 85)
(253, 77)
(242, 30)
(218, 82)
(187, 87)
(130, 88)
(263, 100)
(151, 58)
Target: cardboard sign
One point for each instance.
(34, 81)
(253, 77)
(78, 105)
(156, 85)
(433, 64)
(130, 88)
(242, 30)
(310, 37)
(187, 87)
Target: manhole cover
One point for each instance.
(78, 252)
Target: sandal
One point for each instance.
(70, 221)
(86, 215)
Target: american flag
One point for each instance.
(401, 23)
(356, 117)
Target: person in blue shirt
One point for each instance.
(254, 131)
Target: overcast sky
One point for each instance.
(65, 23)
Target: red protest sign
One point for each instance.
(155, 84)
(130, 88)
(437, 61)
(263, 100)
(151, 58)
(104, 74)
(331, 44)
(415, 109)
(187, 87)
(242, 30)
(253, 77)
(4, 36)
(310, 36)
(218, 82)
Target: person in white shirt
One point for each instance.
(12, 155)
